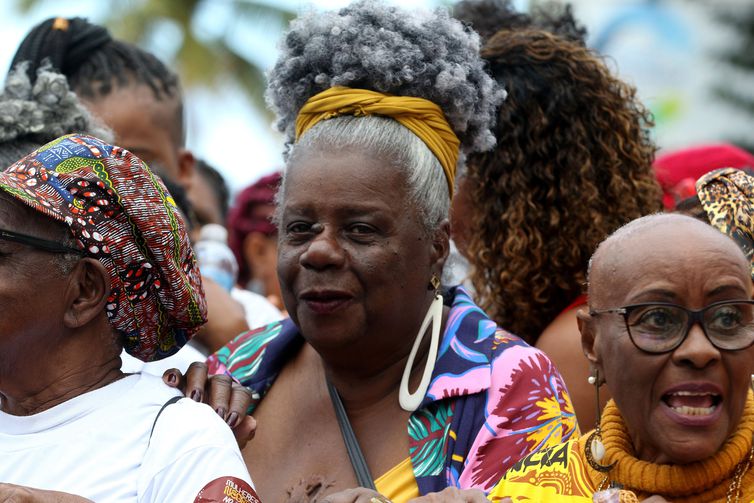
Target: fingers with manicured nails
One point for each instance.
(174, 379)
(219, 394)
(196, 380)
(240, 399)
(245, 431)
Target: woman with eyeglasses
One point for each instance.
(669, 332)
(95, 259)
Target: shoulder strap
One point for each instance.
(169, 402)
(359, 464)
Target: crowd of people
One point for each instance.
(471, 281)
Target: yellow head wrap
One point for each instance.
(420, 116)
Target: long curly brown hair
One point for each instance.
(573, 163)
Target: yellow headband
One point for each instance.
(420, 116)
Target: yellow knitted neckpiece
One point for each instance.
(706, 480)
(422, 117)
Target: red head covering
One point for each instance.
(678, 171)
(242, 219)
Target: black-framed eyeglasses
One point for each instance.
(39, 243)
(661, 327)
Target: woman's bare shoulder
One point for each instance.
(562, 336)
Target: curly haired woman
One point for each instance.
(573, 163)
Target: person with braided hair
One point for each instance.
(128, 88)
(139, 98)
(94, 261)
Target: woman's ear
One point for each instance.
(440, 246)
(87, 293)
(588, 331)
(186, 168)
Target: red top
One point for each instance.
(579, 301)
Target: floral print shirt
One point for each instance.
(492, 400)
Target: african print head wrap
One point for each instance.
(120, 213)
(727, 196)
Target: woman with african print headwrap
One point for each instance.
(94, 258)
(377, 104)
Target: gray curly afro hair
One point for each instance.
(372, 46)
(33, 115)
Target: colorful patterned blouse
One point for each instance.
(557, 474)
(562, 474)
(492, 400)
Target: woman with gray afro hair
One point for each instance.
(377, 104)
(375, 46)
(378, 47)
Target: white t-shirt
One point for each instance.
(259, 311)
(185, 356)
(98, 446)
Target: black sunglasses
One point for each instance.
(39, 243)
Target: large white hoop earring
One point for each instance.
(411, 401)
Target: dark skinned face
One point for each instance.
(31, 292)
(354, 261)
(682, 405)
(143, 125)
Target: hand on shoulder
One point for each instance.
(226, 397)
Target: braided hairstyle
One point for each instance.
(573, 163)
(95, 64)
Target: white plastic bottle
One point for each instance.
(216, 260)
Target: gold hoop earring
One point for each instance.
(595, 449)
